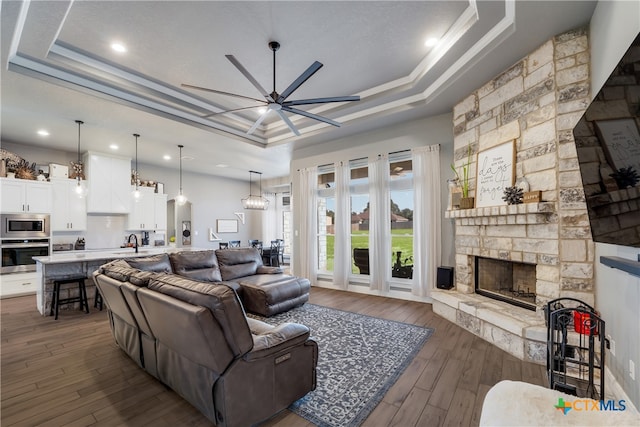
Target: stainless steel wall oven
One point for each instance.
(22, 237)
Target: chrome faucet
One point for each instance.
(136, 239)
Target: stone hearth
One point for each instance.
(536, 103)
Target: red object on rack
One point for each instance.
(583, 324)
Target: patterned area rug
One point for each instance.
(360, 358)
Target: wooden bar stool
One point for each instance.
(97, 299)
(56, 301)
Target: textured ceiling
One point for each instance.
(58, 67)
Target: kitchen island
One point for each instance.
(83, 263)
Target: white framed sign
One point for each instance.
(495, 171)
(227, 225)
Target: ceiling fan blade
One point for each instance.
(296, 84)
(249, 77)
(311, 116)
(222, 93)
(229, 111)
(257, 123)
(288, 122)
(321, 100)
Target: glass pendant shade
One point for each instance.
(181, 199)
(136, 191)
(80, 189)
(255, 202)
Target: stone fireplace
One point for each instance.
(536, 103)
(508, 281)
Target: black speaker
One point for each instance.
(444, 279)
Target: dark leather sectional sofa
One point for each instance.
(174, 317)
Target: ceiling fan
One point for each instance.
(275, 101)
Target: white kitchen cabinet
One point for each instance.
(17, 284)
(109, 183)
(20, 196)
(149, 212)
(69, 210)
(142, 216)
(160, 211)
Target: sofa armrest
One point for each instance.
(263, 269)
(269, 339)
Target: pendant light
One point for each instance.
(255, 202)
(78, 168)
(181, 199)
(136, 192)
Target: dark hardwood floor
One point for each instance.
(69, 372)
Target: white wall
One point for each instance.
(417, 133)
(212, 197)
(614, 25)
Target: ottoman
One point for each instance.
(270, 294)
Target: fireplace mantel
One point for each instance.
(546, 208)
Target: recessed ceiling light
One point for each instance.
(118, 47)
(432, 41)
(43, 132)
(222, 165)
(113, 147)
(166, 157)
(262, 110)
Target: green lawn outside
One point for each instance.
(400, 241)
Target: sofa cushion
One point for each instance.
(158, 263)
(197, 265)
(220, 299)
(238, 262)
(122, 271)
(117, 269)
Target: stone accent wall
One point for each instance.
(536, 102)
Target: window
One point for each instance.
(401, 201)
(326, 217)
(359, 198)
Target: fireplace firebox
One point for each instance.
(512, 282)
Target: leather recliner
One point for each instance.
(236, 370)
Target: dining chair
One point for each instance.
(234, 243)
(270, 256)
(280, 251)
(253, 242)
(223, 245)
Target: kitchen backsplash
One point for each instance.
(103, 232)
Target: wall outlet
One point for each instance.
(632, 369)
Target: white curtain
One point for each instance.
(308, 179)
(379, 224)
(342, 245)
(269, 220)
(427, 218)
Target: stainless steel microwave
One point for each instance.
(25, 226)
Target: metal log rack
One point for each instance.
(575, 348)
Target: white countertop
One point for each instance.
(96, 255)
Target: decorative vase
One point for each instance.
(466, 202)
(455, 192)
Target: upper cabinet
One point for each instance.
(69, 210)
(109, 180)
(20, 196)
(149, 211)
(160, 211)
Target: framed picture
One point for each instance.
(227, 225)
(621, 142)
(495, 171)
